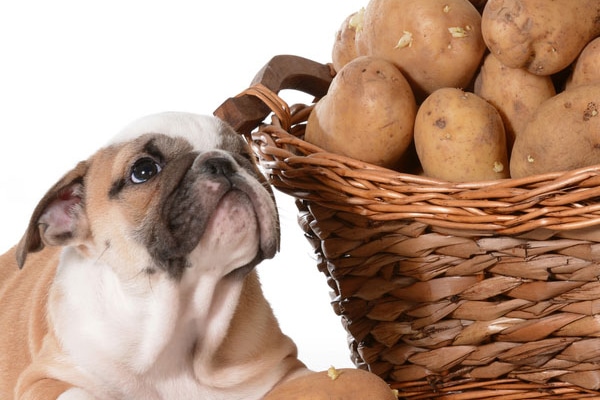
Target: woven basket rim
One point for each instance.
(558, 201)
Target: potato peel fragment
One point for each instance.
(333, 373)
(458, 32)
(405, 40)
(356, 20)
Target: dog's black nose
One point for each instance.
(218, 165)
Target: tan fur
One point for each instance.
(26, 336)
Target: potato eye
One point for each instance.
(144, 169)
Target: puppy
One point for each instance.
(135, 278)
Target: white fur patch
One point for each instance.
(200, 130)
(76, 394)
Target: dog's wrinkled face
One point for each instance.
(172, 191)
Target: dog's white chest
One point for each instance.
(147, 341)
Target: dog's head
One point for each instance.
(172, 191)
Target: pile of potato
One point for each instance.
(465, 90)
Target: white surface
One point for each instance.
(73, 73)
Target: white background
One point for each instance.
(73, 73)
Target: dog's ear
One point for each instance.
(58, 218)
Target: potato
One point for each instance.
(435, 43)
(344, 46)
(340, 384)
(459, 137)
(367, 114)
(540, 35)
(585, 69)
(514, 92)
(563, 134)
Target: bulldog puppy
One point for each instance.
(135, 278)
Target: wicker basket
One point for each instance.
(480, 290)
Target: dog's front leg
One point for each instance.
(76, 394)
(48, 388)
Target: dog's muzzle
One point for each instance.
(191, 202)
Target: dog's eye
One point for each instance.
(144, 169)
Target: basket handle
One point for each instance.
(246, 111)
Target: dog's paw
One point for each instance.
(76, 394)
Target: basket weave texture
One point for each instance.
(479, 290)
